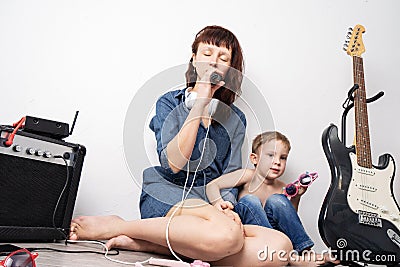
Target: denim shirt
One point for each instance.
(222, 153)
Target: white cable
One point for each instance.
(138, 263)
(183, 193)
(198, 165)
(169, 221)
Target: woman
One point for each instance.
(182, 123)
(197, 229)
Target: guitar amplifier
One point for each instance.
(39, 178)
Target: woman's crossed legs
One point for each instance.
(197, 231)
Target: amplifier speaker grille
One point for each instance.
(29, 192)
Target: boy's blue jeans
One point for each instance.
(278, 214)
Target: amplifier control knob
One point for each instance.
(39, 153)
(17, 148)
(30, 151)
(47, 154)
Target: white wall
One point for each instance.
(60, 56)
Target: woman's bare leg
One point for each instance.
(224, 236)
(268, 247)
(261, 248)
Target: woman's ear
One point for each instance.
(254, 158)
(193, 60)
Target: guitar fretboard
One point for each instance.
(363, 147)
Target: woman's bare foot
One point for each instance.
(94, 227)
(125, 242)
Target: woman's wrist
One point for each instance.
(201, 102)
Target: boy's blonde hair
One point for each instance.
(266, 137)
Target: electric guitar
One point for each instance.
(359, 218)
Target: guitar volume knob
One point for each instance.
(394, 217)
(384, 209)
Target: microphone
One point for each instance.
(215, 78)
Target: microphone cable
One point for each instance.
(184, 197)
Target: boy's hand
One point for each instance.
(223, 205)
(301, 191)
(296, 199)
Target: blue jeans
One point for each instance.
(160, 191)
(278, 214)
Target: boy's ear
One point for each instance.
(254, 158)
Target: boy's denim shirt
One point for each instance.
(222, 153)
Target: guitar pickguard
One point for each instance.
(369, 192)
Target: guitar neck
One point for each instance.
(363, 147)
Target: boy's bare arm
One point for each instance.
(235, 178)
(295, 202)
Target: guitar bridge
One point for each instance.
(369, 218)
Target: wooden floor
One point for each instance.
(58, 259)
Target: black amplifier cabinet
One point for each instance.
(39, 178)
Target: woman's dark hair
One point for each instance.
(219, 36)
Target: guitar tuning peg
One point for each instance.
(348, 36)
(344, 49)
(345, 45)
(350, 29)
(347, 41)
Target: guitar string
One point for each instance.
(362, 111)
(356, 115)
(360, 146)
(358, 129)
(367, 145)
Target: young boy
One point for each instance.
(261, 199)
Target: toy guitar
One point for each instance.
(360, 218)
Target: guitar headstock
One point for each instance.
(354, 45)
